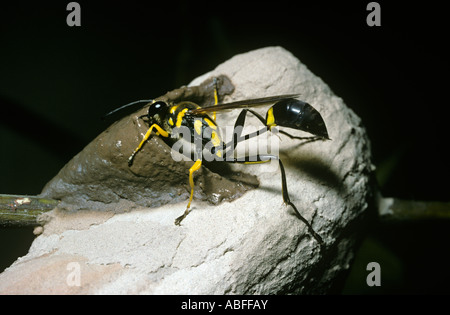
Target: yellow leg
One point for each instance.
(193, 168)
(161, 131)
(216, 98)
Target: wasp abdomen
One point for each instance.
(297, 114)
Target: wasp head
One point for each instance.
(156, 113)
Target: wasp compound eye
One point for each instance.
(157, 111)
(157, 108)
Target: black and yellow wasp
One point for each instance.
(164, 117)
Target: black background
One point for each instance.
(57, 81)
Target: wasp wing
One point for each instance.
(242, 104)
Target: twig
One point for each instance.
(393, 209)
(20, 211)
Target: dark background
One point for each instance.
(57, 81)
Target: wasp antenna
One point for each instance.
(125, 106)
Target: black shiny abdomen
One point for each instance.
(296, 114)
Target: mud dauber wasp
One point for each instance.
(164, 117)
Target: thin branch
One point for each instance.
(393, 209)
(20, 211)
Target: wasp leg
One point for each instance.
(193, 168)
(287, 200)
(216, 98)
(238, 126)
(161, 131)
(309, 139)
(258, 159)
(240, 121)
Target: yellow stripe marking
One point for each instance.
(270, 118)
(171, 121)
(180, 117)
(215, 139)
(211, 124)
(173, 108)
(198, 126)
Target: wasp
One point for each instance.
(164, 118)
